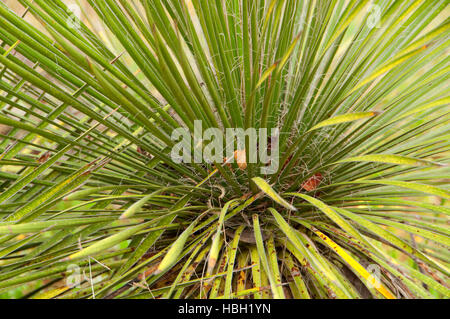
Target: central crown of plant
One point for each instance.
(252, 149)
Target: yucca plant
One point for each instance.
(93, 204)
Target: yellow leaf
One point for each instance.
(268, 190)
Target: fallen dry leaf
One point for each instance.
(313, 182)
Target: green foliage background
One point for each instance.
(359, 90)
